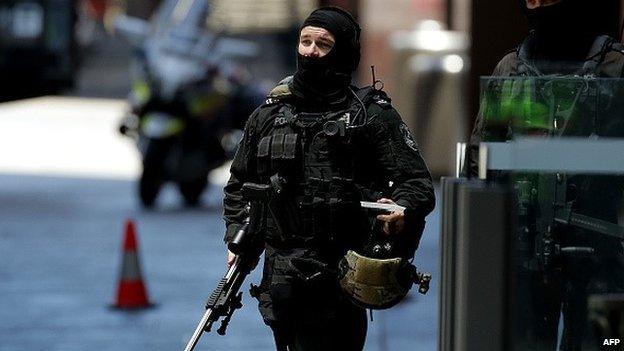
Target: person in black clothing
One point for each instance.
(323, 145)
(574, 39)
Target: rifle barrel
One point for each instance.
(198, 331)
(208, 314)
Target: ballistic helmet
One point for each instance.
(376, 283)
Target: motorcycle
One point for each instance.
(189, 99)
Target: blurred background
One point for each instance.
(117, 110)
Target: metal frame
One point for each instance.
(572, 155)
(476, 268)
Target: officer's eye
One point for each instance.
(324, 46)
(306, 42)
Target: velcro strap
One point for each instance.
(264, 146)
(277, 148)
(290, 146)
(281, 279)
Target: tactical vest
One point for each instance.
(308, 160)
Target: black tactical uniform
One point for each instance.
(542, 298)
(322, 155)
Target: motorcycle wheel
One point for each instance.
(148, 190)
(152, 177)
(191, 191)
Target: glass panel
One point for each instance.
(568, 238)
(552, 106)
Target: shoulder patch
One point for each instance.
(407, 137)
(383, 101)
(371, 95)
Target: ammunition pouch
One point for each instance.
(328, 211)
(277, 153)
(253, 192)
(296, 282)
(308, 167)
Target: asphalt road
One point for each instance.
(66, 188)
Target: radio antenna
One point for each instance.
(376, 81)
(373, 74)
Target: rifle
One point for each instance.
(227, 297)
(542, 205)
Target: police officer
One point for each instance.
(571, 38)
(568, 37)
(323, 145)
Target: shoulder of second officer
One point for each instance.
(508, 65)
(613, 62)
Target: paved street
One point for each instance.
(66, 187)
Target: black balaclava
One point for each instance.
(566, 30)
(325, 79)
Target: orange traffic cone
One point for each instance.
(131, 292)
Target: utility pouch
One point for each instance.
(277, 150)
(284, 215)
(310, 270)
(256, 192)
(314, 214)
(290, 146)
(263, 156)
(283, 151)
